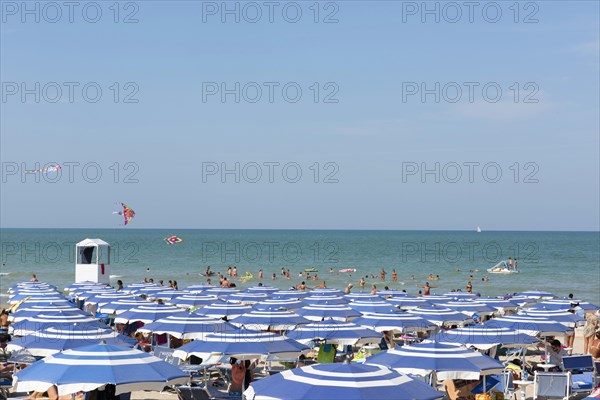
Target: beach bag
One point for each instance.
(326, 353)
(485, 396)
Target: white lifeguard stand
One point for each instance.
(92, 261)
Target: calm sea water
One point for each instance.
(558, 262)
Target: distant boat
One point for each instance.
(478, 230)
(502, 268)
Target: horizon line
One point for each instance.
(313, 229)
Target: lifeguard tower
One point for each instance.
(92, 261)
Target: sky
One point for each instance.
(301, 115)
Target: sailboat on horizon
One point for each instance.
(478, 230)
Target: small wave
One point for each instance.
(116, 276)
(3, 294)
(4, 273)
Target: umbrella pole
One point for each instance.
(484, 388)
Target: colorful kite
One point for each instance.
(173, 239)
(127, 213)
(51, 168)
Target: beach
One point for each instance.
(563, 263)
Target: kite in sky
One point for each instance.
(51, 168)
(127, 213)
(173, 239)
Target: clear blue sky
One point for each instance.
(369, 133)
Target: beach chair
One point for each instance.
(5, 386)
(188, 392)
(552, 385)
(166, 354)
(583, 372)
(507, 384)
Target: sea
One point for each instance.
(556, 262)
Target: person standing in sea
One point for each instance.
(362, 283)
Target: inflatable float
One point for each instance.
(311, 270)
(348, 270)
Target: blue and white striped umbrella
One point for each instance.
(166, 295)
(220, 291)
(392, 293)
(326, 292)
(522, 301)
(106, 298)
(279, 304)
(485, 338)
(148, 313)
(438, 298)
(409, 302)
(499, 304)
(246, 298)
(564, 317)
(454, 296)
(403, 322)
(344, 333)
(122, 305)
(150, 290)
(441, 316)
(369, 307)
(289, 294)
(469, 307)
(537, 294)
(54, 339)
(242, 344)
(262, 289)
(446, 360)
(77, 285)
(44, 302)
(362, 297)
(338, 312)
(30, 285)
(133, 287)
(269, 320)
(190, 326)
(33, 296)
(86, 294)
(222, 310)
(89, 367)
(26, 312)
(565, 304)
(199, 288)
(28, 291)
(340, 381)
(193, 300)
(534, 326)
(312, 300)
(53, 315)
(41, 322)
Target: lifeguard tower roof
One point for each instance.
(92, 242)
